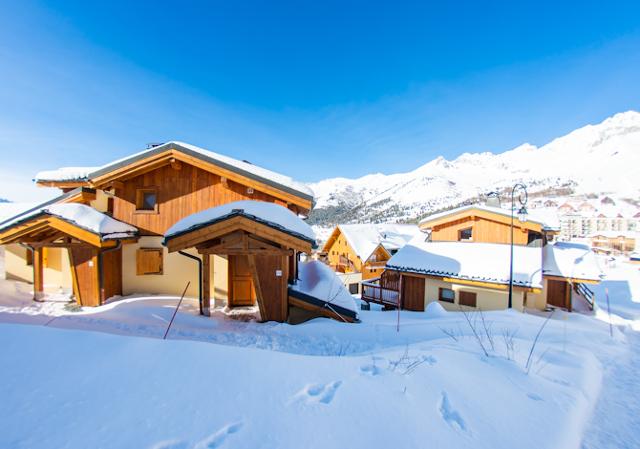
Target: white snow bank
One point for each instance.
(318, 280)
(83, 216)
(65, 174)
(435, 310)
(269, 213)
(473, 261)
(365, 238)
(570, 260)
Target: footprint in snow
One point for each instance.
(217, 439)
(534, 397)
(371, 370)
(450, 415)
(323, 394)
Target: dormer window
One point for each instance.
(147, 200)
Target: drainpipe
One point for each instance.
(101, 268)
(197, 259)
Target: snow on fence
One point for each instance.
(374, 292)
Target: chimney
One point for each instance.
(493, 199)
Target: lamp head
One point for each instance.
(522, 214)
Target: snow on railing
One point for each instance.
(373, 292)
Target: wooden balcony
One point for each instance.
(384, 290)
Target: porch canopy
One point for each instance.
(85, 232)
(262, 239)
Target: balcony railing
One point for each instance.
(372, 291)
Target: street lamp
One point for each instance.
(522, 216)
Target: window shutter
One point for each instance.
(148, 261)
(467, 299)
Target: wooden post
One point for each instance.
(567, 292)
(206, 284)
(38, 274)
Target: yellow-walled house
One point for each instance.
(464, 261)
(106, 234)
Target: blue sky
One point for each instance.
(312, 90)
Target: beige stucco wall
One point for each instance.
(100, 203)
(56, 271)
(487, 299)
(177, 271)
(350, 278)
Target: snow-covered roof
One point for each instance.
(65, 174)
(546, 220)
(485, 262)
(616, 234)
(271, 214)
(82, 216)
(243, 168)
(570, 260)
(365, 238)
(319, 281)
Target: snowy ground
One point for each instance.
(320, 384)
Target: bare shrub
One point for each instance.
(508, 336)
(535, 341)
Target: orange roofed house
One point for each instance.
(155, 220)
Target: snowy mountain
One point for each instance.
(595, 159)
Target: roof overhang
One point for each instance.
(46, 228)
(473, 212)
(174, 153)
(455, 278)
(231, 223)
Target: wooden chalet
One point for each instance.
(147, 194)
(364, 249)
(463, 261)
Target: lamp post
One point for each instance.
(522, 216)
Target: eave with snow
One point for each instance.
(175, 154)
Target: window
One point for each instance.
(148, 261)
(147, 200)
(353, 288)
(467, 299)
(465, 234)
(446, 295)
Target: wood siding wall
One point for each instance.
(484, 230)
(341, 247)
(180, 193)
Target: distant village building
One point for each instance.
(584, 220)
(614, 242)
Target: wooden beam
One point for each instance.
(320, 310)
(206, 284)
(573, 280)
(256, 286)
(38, 274)
(74, 277)
(175, 164)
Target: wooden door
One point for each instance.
(557, 293)
(413, 293)
(241, 289)
(84, 270)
